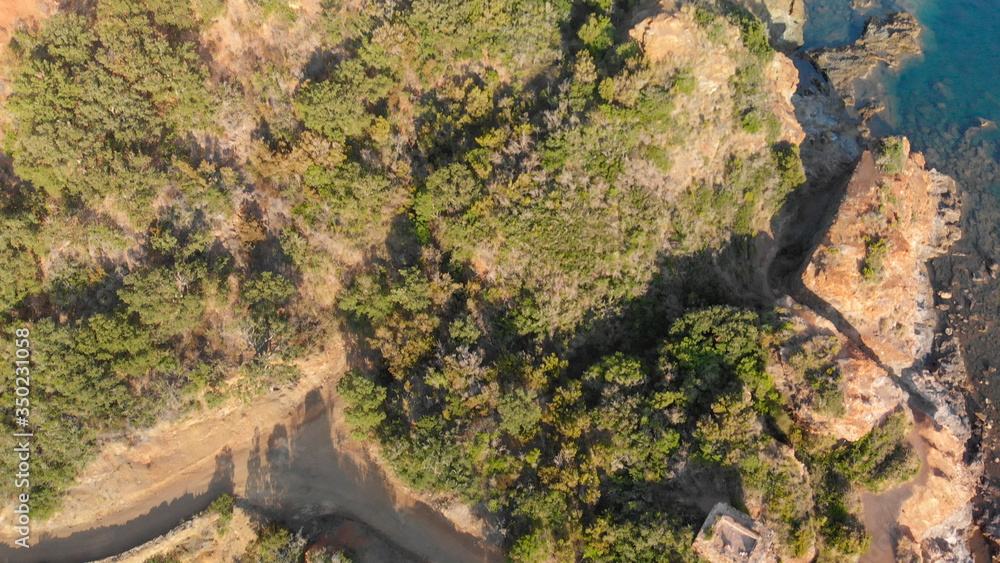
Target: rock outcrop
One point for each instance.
(870, 268)
(885, 43)
(781, 78)
(868, 277)
(673, 39)
(832, 144)
(784, 19)
(938, 513)
(869, 393)
(942, 387)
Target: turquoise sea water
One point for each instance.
(941, 102)
(936, 100)
(958, 82)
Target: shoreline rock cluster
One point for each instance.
(886, 43)
(894, 347)
(890, 346)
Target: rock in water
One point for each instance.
(885, 42)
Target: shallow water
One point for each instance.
(937, 100)
(831, 23)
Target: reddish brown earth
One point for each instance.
(892, 318)
(869, 392)
(13, 12)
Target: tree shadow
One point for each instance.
(304, 471)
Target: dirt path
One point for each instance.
(288, 452)
(881, 510)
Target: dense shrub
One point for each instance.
(480, 192)
(876, 252)
(890, 155)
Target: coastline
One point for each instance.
(926, 370)
(941, 388)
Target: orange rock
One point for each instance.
(782, 77)
(869, 393)
(893, 310)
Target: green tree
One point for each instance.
(364, 400)
(714, 352)
(167, 300)
(597, 34)
(649, 537)
(274, 544)
(520, 414)
(87, 117)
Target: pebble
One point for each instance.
(944, 294)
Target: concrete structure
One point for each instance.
(730, 536)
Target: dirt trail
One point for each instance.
(288, 452)
(881, 510)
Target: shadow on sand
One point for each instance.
(103, 542)
(297, 473)
(301, 474)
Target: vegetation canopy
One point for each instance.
(549, 321)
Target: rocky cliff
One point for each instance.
(867, 310)
(871, 265)
(674, 39)
(869, 393)
(870, 302)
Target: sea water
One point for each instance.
(942, 101)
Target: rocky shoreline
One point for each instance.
(895, 339)
(886, 43)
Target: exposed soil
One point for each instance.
(288, 453)
(882, 510)
(14, 11)
(199, 540)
